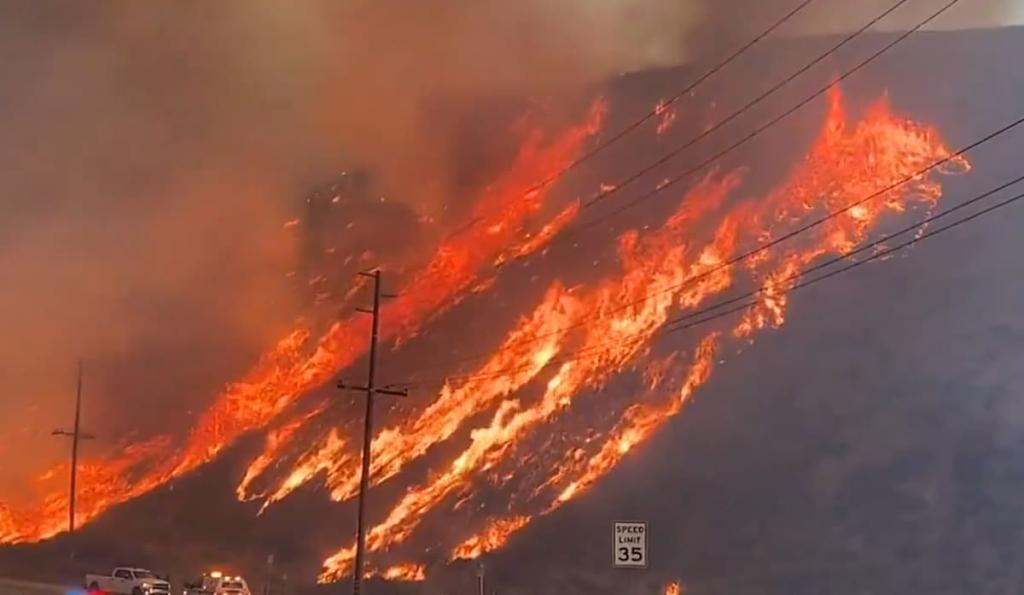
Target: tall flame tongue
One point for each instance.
(623, 315)
(844, 166)
(297, 365)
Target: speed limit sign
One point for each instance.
(629, 541)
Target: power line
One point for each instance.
(878, 255)
(675, 98)
(751, 104)
(760, 248)
(757, 132)
(684, 322)
(878, 244)
(761, 129)
(627, 130)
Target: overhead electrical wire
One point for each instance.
(715, 311)
(760, 130)
(760, 248)
(674, 99)
(882, 253)
(601, 195)
(647, 117)
(810, 225)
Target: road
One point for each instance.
(12, 587)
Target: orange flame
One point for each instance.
(490, 539)
(275, 443)
(297, 364)
(622, 326)
(844, 166)
(408, 572)
(570, 346)
(534, 243)
(393, 448)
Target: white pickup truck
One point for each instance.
(127, 581)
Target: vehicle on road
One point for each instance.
(217, 583)
(125, 580)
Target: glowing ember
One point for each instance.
(408, 573)
(666, 117)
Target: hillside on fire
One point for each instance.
(756, 318)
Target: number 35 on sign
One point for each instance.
(630, 545)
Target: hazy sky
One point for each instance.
(978, 13)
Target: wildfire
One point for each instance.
(621, 327)
(844, 166)
(10, 526)
(408, 572)
(543, 237)
(490, 538)
(275, 442)
(535, 414)
(298, 363)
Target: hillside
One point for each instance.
(873, 444)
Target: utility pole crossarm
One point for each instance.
(69, 434)
(392, 392)
(377, 391)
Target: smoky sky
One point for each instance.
(151, 152)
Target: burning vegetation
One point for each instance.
(522, 424)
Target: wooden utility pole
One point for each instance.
(75, 436)
(371, 390)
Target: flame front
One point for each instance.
(300, 363)
(666, 271)
(537, 423)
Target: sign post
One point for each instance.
(629, 544)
